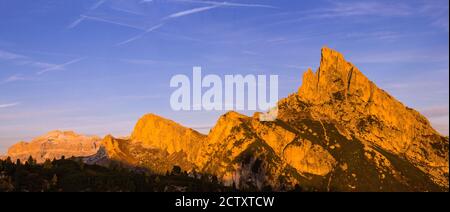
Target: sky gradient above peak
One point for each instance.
(96, 66)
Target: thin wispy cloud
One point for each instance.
(379, 35)
(146, 1)
(132, 12)
(6, 55)
(180, 14)
(99, 19)
(24, 60)
(364, 8)
(348, 10)
(181, 37)
(49, 53)
(82, 18)
(39, 113)
(151, 29)
(437, 13)
(227, 4)
(191, 11)
(9, 105)
(76, 22)
(13, 78)
(97, 5)
(37, 64)
(149, 62)
(60, 66)
(402, 57)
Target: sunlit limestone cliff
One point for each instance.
(340, 132)
(156, 143)
(54, 145)
(339, 92)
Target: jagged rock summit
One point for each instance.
(339, 92)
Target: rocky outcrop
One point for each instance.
(138, 154)
(310, 158)
(239, 152)
(55, 144)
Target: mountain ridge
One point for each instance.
(339, 132)
(55, 144)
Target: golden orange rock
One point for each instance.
(339, 92)
(310, 158)
(55, 144)
(156, 132)
(340, 132)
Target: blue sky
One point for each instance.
(96, 66)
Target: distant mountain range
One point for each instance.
(340, 132)
(55, 144)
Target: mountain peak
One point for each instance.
(156, 132)
(330, 54)
(152, 117)
(335, 80)
(339, 92)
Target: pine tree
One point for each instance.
(8, 160)
(8, 165)
(48, 164)
(31, 161)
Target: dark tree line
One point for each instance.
(72, 175)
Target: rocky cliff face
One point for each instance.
(340, 132)
(55, 144)
(152, 131)
(156, 143)
(339, 92)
